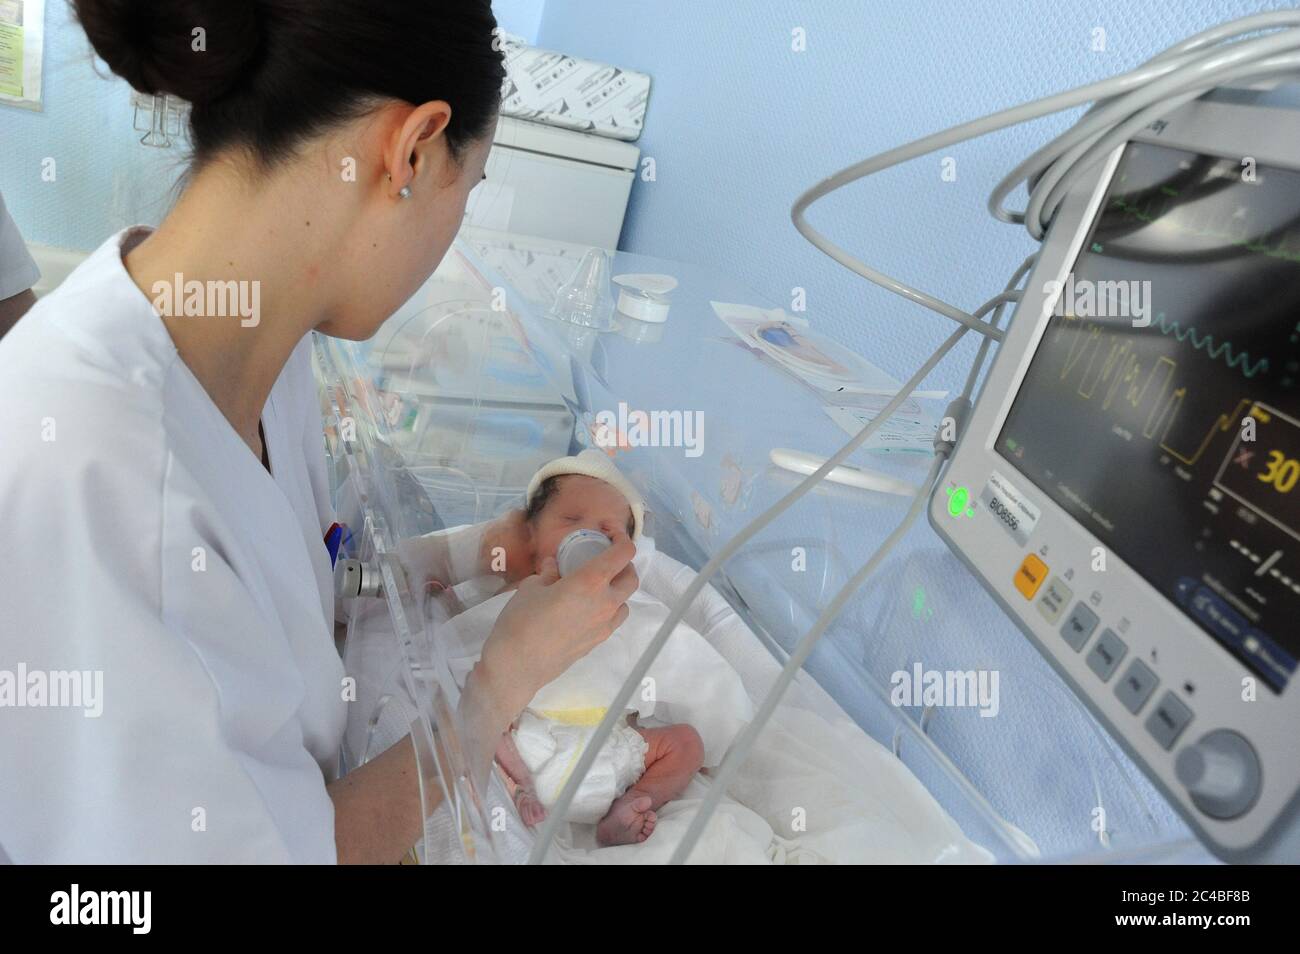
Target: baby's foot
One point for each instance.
(531, 809)
(628, 821)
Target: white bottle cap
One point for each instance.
(641, 308)
(579, 547)
(645, 297)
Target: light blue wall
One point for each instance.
(739, 126)
(520, 17)
(104, 179)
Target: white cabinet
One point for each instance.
(555, 184)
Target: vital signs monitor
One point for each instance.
(1128, 486)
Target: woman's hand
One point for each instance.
(551, 623)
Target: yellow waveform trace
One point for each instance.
(1223, 424)
(1115, 356)
(1084, 347)
(1119, 367)
(1123, 376)
(1077, 348)
(1134, 393)
(1169, 366)
(1164, 411)
(1115, 381)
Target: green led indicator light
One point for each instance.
(919, 609)
(959, 502)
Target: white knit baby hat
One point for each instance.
(593, 463)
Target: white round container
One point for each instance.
(645, 297)
(579, 547)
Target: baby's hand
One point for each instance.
(509, 539)
(530, 807)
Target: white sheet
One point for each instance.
(815, 789)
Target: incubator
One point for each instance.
(440, 422)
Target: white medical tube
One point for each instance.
(1002, 300)
(1167, 94)
(744, 742)
(1177, 59)
(748, 736)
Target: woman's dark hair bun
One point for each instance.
(268, 75)
(198, 50)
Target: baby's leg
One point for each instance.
(674, 755)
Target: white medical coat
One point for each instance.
(146, 542)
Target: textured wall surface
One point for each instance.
(520, 17)
(105, 180)
(739, 125)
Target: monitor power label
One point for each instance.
(1009, 507)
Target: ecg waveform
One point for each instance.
(1202, 229)
(1111, 372)
(1240, 361)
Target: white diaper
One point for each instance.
(551, 743)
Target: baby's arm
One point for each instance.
(502, 547)
(530, 807)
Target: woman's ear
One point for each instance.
(422, 126)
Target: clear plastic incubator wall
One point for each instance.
(441, 420)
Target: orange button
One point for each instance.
(1030, 576)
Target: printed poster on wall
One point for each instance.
(22, 42)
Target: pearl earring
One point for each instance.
(406, 190)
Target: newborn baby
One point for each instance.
(639, 768)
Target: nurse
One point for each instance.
(169, 685)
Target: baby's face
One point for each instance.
(579, 503)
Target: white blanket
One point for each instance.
(815, 788)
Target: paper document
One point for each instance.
(22, 41)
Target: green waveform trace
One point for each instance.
(1251, 246)
(1206, 343)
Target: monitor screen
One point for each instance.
(1161, 408)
